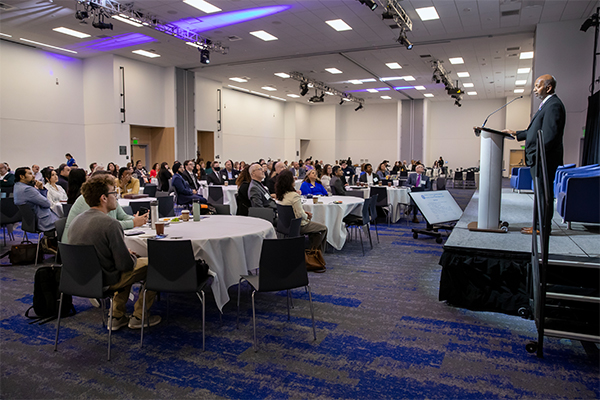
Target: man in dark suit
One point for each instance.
(63, 176)
(418, 182)
(257, 192)
(214, 177)
(229, 174)
(188, 174)
(550, 118)
(369, 177)
(336, 184)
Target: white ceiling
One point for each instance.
(475, 30)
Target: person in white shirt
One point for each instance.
(56, 193)
(369, 177)
(37, 174)
(326, 177)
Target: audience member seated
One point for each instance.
(337, 185)
(70, 160)
(278, 166)
(243, 183)
(287, 196)
(126, 183)
(257, 192)
(301, 170)
(214, 177)
(7, 179)
(185, 194)
(37, 174)
(121, 268)
(418, 182)
(154, 171)
(56, 193)
(294, 169)
(77, 177)
(312, 185)
(140, 173)
(163, 177)
(229, 174)
(326, 177)
(63, 176)
(187, 173)
(381, 171)
(31, 192)
(349, 171)
(369, 177)
(397, 168)
(112, 168)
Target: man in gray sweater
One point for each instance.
(121, 268)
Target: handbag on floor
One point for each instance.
(24, 253)
(314, 260)
(46, 296)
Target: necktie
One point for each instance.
(418, 180)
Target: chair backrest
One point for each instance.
(285, 215)
(404, 173)
(373, 208)
(136, 205)
(60, 224)
(222, 209)
(242, 209)
(127, 210)
(9, 212)
(355, 193)
(165, 206)
(381, 193)
(333, 190)
(366, 211)
(470, 175)
(282, 265)
(171, 266)
(458, 176)
(265, 213)
(66, 209)
(29, 220)
(81, 273)
(295, 227)
(150, 190)
(440, 183)
(215, 195)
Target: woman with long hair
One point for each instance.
(126, 182)
(381, 171)
(287, 196)
(77, 177)
(243, 182)
(154, 171)
(56, 193)
(163, 177)
(312, 184)
(113, 169)
(326, 177)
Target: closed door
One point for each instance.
(206, 145)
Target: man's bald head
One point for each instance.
(544, 86)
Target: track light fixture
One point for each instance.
(303, 88)
(341, 101)
(306, 83)
(204, 56)
(403, 40)
(316, 98)
(369, 3)
(594, 20)
(360, 106)
(100, 24)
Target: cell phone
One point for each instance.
(143, 210)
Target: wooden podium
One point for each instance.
(490, 181)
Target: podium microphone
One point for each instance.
(488, 117)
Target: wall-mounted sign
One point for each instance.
(122, 150)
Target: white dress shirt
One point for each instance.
(56, 195)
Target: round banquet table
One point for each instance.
(396, 196)
(230, 245)
(229, 192)
(331, 215)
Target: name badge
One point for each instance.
(267, 196)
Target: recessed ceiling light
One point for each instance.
(240, 80)
(372, 90)
(293, 95)
(329, 93)
(238, 88)
(193, 44)
(333, 70)
(47, 45)
(427, 13)
(427, 95)
(355, 82)
(127, 20)
(282, 75)
(408, 78)
(526, 55)
(456, 60)
(523, 70)
(146, 53)
(519, 90)
(391, 78)
(463, 74)
(345, 99)
(339, 25)
(521, 82)
(472, 93)
(420, 87)
(269, 88)
(266, 36)
(71, 32)
(468, 85)
(386, 97)
(4, 34)
(368, 80)
(393, 65)
(202, 6)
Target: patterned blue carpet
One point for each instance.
(381, 333)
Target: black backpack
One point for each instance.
(46, 296)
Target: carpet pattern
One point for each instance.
(381, 333)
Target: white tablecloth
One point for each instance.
(396, 197)
(229, 192)
(230, 245)
(331, 215)
(298, 183)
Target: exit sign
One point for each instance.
(135, 141)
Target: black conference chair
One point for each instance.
(242, 206)
(470, 179)
(66, 209)
(458, 179)
(9, 214)
(137, 205)
(373, 213)
(172, 268)
(264, 213)
(215, 195)
(222, 209)
(81, 276)
(285, 215)
(359, 222)
(127, 210)
(282, 266)
(165, 206)
(355, 193)
(150, 190)
(440, 183)
(29, 225)
(382, 201)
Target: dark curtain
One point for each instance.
(591, 141)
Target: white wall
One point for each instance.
(206, 102)
(40, 120)
(322, 132)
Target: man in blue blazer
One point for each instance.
(550, 118)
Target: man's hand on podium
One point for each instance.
(510, 132)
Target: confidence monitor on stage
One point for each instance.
(437, 206)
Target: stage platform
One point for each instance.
(488, 271)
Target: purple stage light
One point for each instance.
(117, 42)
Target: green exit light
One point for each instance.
(135, 141)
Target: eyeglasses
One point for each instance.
(115, 193)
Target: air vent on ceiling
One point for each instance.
(234, 38)
(6, 7)
(510, 13)
(512, 55)
(513, 48)
(425, 56)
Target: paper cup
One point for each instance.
(185, 215)
(160, 227)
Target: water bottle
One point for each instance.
(196, 210)
(153, 212)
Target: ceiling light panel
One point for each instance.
(523, 70)
(355, 82)
(339, 25)
(333, 70)
(266, 36)
(456, 60)
(4, 34)
(468, 85)
(463, 74)
(202, 6)
(127, 20)
(282, 75)
(293, 95)
(420, 87)
(393, 65)
(427, 13)
(472, 93)
(372, 90)
(146, 53)
(526, 55)
(427, 95)
(71, 32)
(269, 88)
(236, 79)
(408, 78)
(386, 97)
(521, 82)
(48, 45)
(519, 90)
